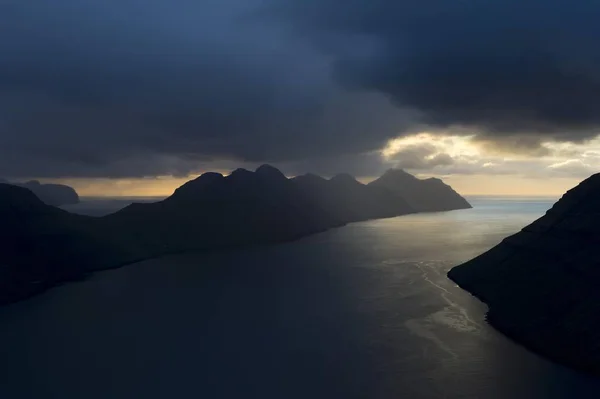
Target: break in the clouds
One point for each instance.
(156, 87)
(436, 154)
(505, 68)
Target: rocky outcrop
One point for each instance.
(51, 194)
(541, 284)
(428, 195)
(42, 245)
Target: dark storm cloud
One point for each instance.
(132, 88)
(501, 67)
(128, 88)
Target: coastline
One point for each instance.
(525, 341)
(86, 274)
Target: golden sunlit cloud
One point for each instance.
(454, 146)
(477, 167)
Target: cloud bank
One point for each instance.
(92, 88)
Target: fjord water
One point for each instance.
(363, 311)
(101, 206)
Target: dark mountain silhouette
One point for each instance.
(213, 211)
(541, 284)
(42, 245)
(428, 195)
(349, 200)
(51, 194)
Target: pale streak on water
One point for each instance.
(452, 316)
(364, 311)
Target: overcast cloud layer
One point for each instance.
(141, 88)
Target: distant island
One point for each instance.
(51, 194)
(42, 245)
(541, 284)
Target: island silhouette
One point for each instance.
(42, 245)
(51, 194)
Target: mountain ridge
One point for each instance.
(44, 245)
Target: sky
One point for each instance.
(131, 97)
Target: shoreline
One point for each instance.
(86, 274)
(529, 344)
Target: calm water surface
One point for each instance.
(364, 311)
(100, 206)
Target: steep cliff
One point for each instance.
(541, 284)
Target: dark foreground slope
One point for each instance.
(428, 195)
(541, 284)
(41, 245)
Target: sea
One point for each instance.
(361, 311)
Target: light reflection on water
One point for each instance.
(364, 311)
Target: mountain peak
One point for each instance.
(239, 172)
(207, 178)
(344, 177)
(270, 172)
(397, 173)
(435, 180)
(199, 184)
